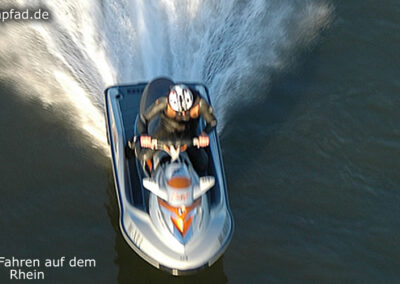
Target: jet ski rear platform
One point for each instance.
(122, 105)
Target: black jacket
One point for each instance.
(186, 125)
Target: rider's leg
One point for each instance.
(199, 159)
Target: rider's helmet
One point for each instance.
(180, 98)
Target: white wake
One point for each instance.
(231, 46)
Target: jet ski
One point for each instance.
(173, 218)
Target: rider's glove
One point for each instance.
(204, 140)
(145, 141)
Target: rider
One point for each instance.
(179, 114)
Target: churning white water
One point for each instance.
(231, 46)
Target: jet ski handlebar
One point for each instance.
(172, 146)
(162, 144)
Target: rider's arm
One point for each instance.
(207, 112)
(156, 108)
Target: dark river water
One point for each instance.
(312, 171)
